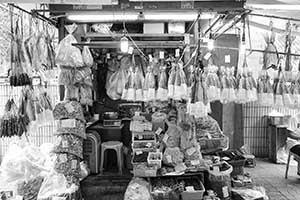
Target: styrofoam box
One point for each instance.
(176, 27)
(154, 28)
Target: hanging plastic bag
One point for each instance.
(86, 95)
(213, 83)
(162, 91)
(67, 54)
(264, 89)
(180, 87)
(67, 143)
(139, 81)
(81, 75)
(53, 185)
(149, 85)
(87, 57)
(116, 84)
(138, 189)
(171, 81)
(241, 95)
(270, 59)
(66, 76)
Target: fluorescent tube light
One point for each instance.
(147, 16)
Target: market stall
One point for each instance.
(145, 88)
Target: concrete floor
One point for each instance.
(271, 177)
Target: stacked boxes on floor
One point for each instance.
(69, 142)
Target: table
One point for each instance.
(277, 138)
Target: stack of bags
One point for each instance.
(75, 69)
(70, 135)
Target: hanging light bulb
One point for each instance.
(124, 44)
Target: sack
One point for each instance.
(67, 54)
(138, 189)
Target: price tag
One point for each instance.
(169, 158)
(130, 50)
(158, 131)
(65, 144)
(68, 123)
(138, 152)
(227, 59)
(177, 53)
(74, 164)
(190, 188)
(187, 38)
(18, 197)
(190, 151)
(140, 137)
(108, 55)
(195, 162)
(63, 158)
(161, 55)
(207, 56)
(225, 191)
(69, 108)
(36, 81)
(165, 138)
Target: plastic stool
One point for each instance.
(114, 145)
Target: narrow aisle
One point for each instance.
(271, 177)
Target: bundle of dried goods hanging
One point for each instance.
(270, 58)
(14, 122)
(18, 75)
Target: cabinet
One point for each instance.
(277, 135)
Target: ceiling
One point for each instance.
(284, 8)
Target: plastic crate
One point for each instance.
(213, 145)
(165, 196)
(142, 172)
(195, 195)
(155, 162)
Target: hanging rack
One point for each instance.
(275, 17)
(35, 14)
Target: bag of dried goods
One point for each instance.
(243, 87)
(66, 76)
(69, 165)
(71, 93)
(212, 82)
(71, 126)
(264, 89)
(68, 110)
(162, 91)
(86, 95)
(138, 189)
(87, 57)
(180, 86)
(67, 54)
(139, 81)
(67, 143)
(270, 59)
(172, 156)
(116, 84)
(172, 135)
(149, 85)
(171, 81)
(29, 189)
(82, 74)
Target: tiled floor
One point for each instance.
(271, 176)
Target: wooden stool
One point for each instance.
(297, 158)
(114, 145)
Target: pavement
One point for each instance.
(271, 177)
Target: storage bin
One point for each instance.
(195, 195)
(154, 159)
(91, 150)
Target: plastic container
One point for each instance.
(91, 149)
(195, 195)
(214, 144)
(155, 159)
(141, 170)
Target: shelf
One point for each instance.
(140, 44)
(139, 35)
